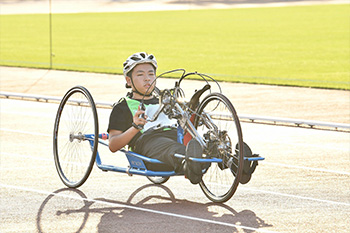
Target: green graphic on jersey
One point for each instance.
(133, 106)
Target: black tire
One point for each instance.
(158, 179)
(74, 156)
(221, 180)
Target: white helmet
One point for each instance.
(138, 58)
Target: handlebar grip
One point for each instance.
(142, 115)
(142, 107)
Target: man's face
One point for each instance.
(143, 75)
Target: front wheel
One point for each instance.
(74, 152)
(217, 121)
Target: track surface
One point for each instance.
(303, 186)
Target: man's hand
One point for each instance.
(139, 118)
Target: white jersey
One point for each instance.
(162, 120)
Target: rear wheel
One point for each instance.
(74, 153)
(221, 130)
(158, 179)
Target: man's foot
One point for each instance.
(248, 166)
(193, 170)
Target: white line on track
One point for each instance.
(244, 188)
(35, 114)
(26, 132)
(308, 145)
(295, 196)
(23, 168)
(135, 208)
(26, 156)
(307, 168)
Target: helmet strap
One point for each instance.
(150, 94)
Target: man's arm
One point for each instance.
(119, 139)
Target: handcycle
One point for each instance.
(212, 121)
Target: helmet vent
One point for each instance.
(135, 58)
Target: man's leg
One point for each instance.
(163, 149)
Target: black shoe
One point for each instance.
(248, 166)
(193, 170)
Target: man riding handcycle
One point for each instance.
(200, 139)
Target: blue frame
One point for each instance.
(136, 161)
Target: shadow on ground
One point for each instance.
(158, 212)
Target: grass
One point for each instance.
(301, 45)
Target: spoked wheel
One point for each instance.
(74, 153)
(221, 131)
(158, 179)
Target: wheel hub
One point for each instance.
(79, 137)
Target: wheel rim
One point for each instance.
(221, 180)
(73, 155)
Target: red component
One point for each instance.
(187, 136)
(104, 136)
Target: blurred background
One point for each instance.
(294, 42)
